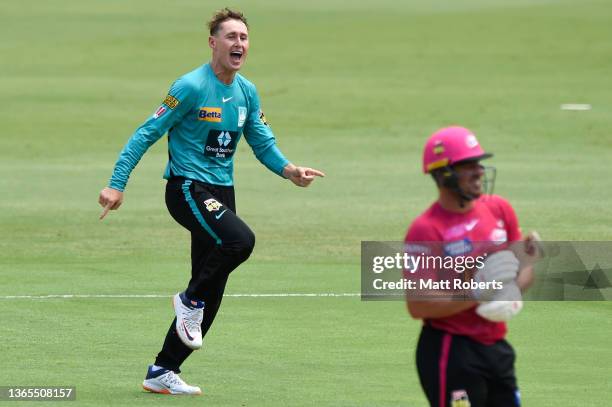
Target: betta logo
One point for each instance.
(210, 114)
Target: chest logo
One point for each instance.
(224, 138)
(210, 114)
(458, 248)
(220, 144)
(499, 236)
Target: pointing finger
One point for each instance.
(105, 211)
(312, 171)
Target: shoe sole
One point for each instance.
(178, 330)
(162, 391)
(168, 392)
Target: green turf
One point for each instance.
(353, 89)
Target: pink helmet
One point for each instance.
(451, 145)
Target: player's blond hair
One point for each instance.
(223, 15)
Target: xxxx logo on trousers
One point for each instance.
(212, 205)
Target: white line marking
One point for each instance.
(68, 296)
(576, 106)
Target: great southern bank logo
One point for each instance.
(221, 143)
(224, 139)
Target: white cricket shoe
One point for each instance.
(189, 321)
(165, 381)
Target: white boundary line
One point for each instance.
(69, 296)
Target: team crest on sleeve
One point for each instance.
(171, 102)
(242, 114)
(262, 117)
(212, 205)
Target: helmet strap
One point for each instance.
(450, 179)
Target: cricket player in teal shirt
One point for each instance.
(205, 114)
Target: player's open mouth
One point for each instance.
(236, 56)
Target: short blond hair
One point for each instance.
(222, 16)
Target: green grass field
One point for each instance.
(353, 89)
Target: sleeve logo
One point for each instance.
(160, 111)
(242, 115)
(262, 117)
(171, 102)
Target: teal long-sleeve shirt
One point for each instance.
(205, 119)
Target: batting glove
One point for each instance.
(501, 267)
(505, 304)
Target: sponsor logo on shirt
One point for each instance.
(220, 144)
(212, 205)
(160, 111)
(210, 114)
(224, 138)
(458, 248)
(171, 102)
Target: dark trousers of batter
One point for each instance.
(456, 371)
(220, 241)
